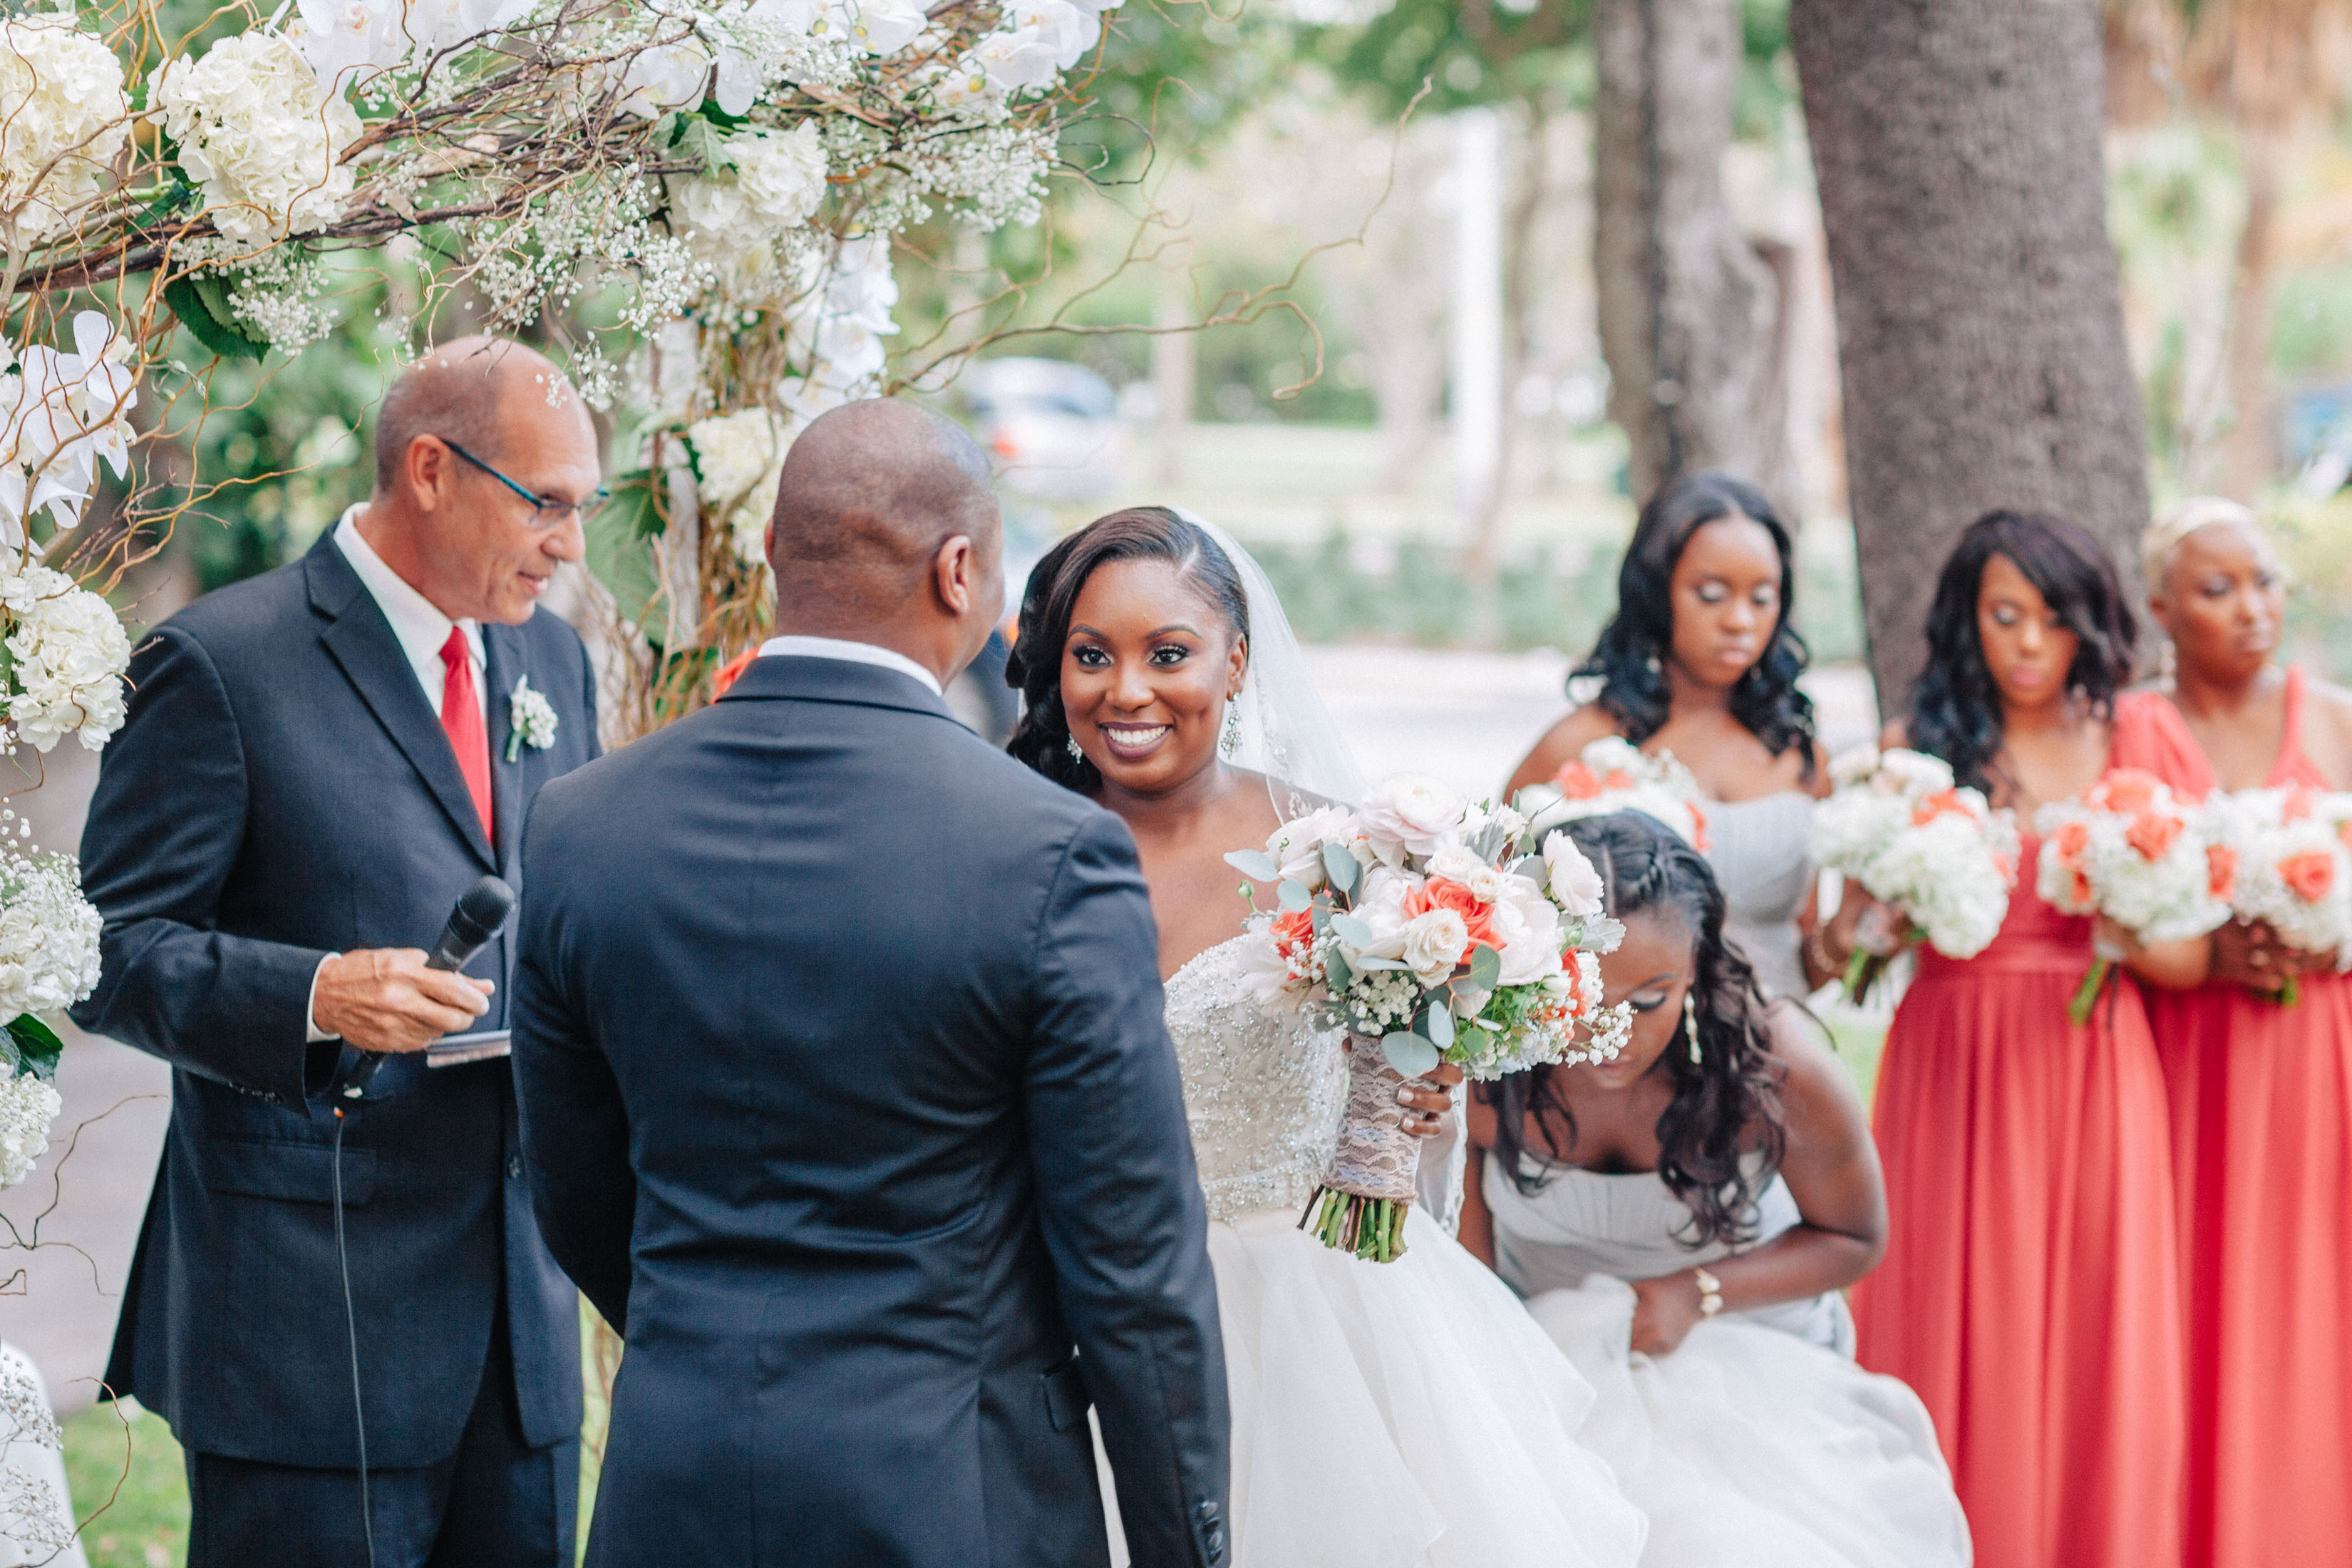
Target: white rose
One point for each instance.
(1434, 945)
(1414, 812)
(1296, 846)
(1571, 878)
(1528, 927)
(1381, 906)
(1456, 864)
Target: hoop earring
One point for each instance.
(1690, 1023)
(1230, 741)
(1070, 744)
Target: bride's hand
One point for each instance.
(1432, 1104)
(1665, 1309)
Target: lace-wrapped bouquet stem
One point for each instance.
(1431, 930)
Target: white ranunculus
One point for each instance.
(70, 655)
(1296, 846)
(1412, 812)
(63, 120)
(1573, 881)
(1434, 944)
(27, 1106)
(1456, 864)
(1527, 923)
(259, 135)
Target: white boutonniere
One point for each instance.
(530, 720)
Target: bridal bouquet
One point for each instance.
(2280, 857)
(1931, 851)
(2127, 849)
(1613, 775)
(1430, 930)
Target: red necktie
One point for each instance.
(461, 716)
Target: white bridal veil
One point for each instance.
(1287, 734)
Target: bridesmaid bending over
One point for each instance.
(2260, 1094)
(2028, 1289)
(1700, 660)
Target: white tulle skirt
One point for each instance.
(1749, 1445)
(1404, 1414)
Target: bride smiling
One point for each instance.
(1384, 1415)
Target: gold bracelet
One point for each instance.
(1817, 947)
(1710, 1292)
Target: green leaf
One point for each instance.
(1255, 864)
(1486, 967)
(37, 1045)
(1336, 967)
(1342, 867)
(202, 305)
(617, 550)
(1437, 1021)
(1352, 930)
(698, 138)
(1294, 895)
(1410, 1054)
(1366, 964)
(719, 117)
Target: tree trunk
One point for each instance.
(1979, 313)
(2250, 448)
(1686, 306)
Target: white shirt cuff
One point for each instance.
(310, 1010)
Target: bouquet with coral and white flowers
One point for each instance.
(1613, 775)
(2127, 849)
(2280, 859)
(1430, 930)
(1935, 852)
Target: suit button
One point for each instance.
(1208, 1512)
(1216, 1545)
(514, 1166)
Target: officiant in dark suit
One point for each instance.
(317, 763)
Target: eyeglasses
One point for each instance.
(546, 511)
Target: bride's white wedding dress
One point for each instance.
(1384, 1414)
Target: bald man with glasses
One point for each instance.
(317, 763)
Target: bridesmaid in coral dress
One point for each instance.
(2028, 1292)
(2262, 1095)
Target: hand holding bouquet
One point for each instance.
(2127, 849)
(1937, 853)
(2281, 860)
(1430, 930)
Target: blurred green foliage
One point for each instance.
(132, 1479)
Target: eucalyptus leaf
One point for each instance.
(37, 1045)
(1410, 1054)
(1486, 967)
(1342, 867)
(1366, 963)
(1294, 895)
(1255, 864)
(1439, 1022)
(1352, 930)
(1341, 974)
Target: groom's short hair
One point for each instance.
(869, 493)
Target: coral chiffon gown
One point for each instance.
(2028, 1293)
(2262, 1130)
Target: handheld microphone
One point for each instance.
(481, 913)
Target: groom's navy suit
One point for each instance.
(846, 1088)
(282, 789)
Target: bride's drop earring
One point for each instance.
(1070, 744)
(1231, 741)
(1690, 1023)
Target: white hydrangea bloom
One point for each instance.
(63, 119)
(27, 1106)
(48, 933)
(68, 654)
(261, 135)
(741, 459)
(774, 181)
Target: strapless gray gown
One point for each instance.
(1759, 851)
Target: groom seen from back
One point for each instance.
(846, 1095)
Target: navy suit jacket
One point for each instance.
(282, 789)
(846, 1088)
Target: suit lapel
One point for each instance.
(362, 643)
(504, 666)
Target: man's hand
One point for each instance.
(385, 999)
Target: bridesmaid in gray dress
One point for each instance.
(1701, 661)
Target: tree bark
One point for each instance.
(1979, 311)
(1686, 307)
(2250, 446)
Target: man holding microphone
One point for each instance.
(316, 763)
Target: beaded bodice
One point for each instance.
(1263, 1090)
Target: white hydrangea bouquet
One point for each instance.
(1897, 825)
(1430, 930)
(2127, 849)
(1613, 775)
(48, 961)
(2279, 858)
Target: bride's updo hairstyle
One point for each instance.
(1734, 1087)
(1137, 533)
(1630, 658)
(1956, 712)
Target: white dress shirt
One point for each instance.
(421, 631)
(854, 652)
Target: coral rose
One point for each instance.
(1440, 893)
(2310, 875)
(2126, 790)
(2220, 871)
(2069, 842)
(1943, 803)
(1576, 782)
(2152, 832)
(1293, 929)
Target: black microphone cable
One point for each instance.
(352, 1329)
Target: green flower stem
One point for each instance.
(2086, 995)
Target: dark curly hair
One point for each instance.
(1734, 1087)
(1955, 707)
(1035, 668)
(1636, 644)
